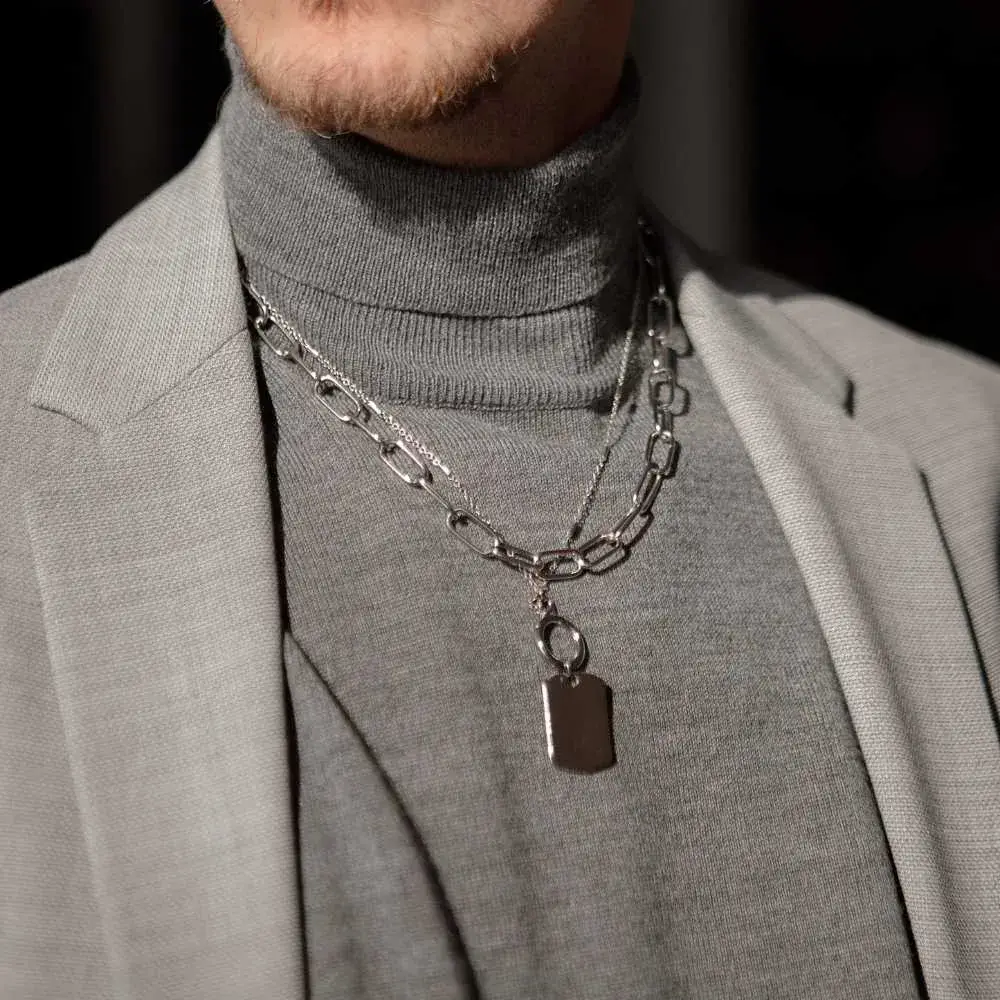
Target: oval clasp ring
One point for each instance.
(543, 639)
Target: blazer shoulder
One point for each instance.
(898, 374)
(29, 314)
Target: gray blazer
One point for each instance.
(146, 831)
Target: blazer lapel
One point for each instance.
(858, 518)
(151, 529)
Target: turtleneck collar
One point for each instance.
(447, 241)
(488, 289)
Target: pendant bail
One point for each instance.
(543, 639)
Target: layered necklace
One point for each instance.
(576, 703)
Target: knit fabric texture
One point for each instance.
(735, 849)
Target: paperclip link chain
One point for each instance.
(411, 461)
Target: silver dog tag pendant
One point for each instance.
(578, 722)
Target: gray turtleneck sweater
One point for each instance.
(735, 849)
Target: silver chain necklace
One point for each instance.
(577, 704)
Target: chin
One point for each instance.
(358, 65)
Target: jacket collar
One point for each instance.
(159, 293)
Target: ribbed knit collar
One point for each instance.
(538, 262)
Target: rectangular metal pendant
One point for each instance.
(578, 722)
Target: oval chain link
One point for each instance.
(411, 461)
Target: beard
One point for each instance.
(362, 65)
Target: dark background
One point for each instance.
(875, 175)
(869, 164)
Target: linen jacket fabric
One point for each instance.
(147, 842)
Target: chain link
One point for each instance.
(334, 379)
(412, 462)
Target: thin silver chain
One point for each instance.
(595, 479)
(411, 460)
